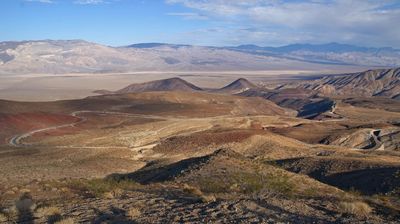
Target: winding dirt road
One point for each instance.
(16, 140)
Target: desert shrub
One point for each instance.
(133, 213)
(198, 193)
(66, 221)
(237, 182)
(114, 193)
(281, 183)
(102, 187)
(47, 211)
(248, 183)
(192, 190)
(388, 203)
(51, 213)
(207, 198)
(355, 193)
(10, 212)
(310, 192)
(210, 185)
(356, 208)
(3, 218)
(25, 203)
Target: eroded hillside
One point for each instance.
(167, 155)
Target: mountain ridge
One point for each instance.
(331, 47)
(378, 82)
(79, 56)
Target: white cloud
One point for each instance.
(188, 15)
(41, 1)
(89, 2)
(367, 22)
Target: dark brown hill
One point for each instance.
(238, 86)
(172, 84)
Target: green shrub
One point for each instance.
(99, 187)
(213, 186)
(247, 183)
(281, 183)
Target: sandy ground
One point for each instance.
(39, 87)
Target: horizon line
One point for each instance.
(199, 45)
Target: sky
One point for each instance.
(373, 23)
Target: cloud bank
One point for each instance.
(275, 22)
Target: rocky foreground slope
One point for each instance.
(198, 157)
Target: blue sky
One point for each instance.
(204, 22)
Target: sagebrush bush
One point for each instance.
(102, 187)
(133, 213)
(248, 183)
(47, 211)
(356, 208)
(281, 184)
(25, 203)
(3, 218)
(66, 221)
(198, 193)
(192, 190)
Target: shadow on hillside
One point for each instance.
(153, 173)
(368, 181)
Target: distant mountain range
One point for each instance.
(78, 56)
(331, 53)
(330, 47)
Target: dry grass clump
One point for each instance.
(198, 193)
(133, 213)
(100, 188)
(66, 221)
(356, 208)
(10, 212)
(192, 190)
(115, 193)
(47, 211)
(3, 218)
(248, 183)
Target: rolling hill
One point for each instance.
(172, 84)
(238, 86)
